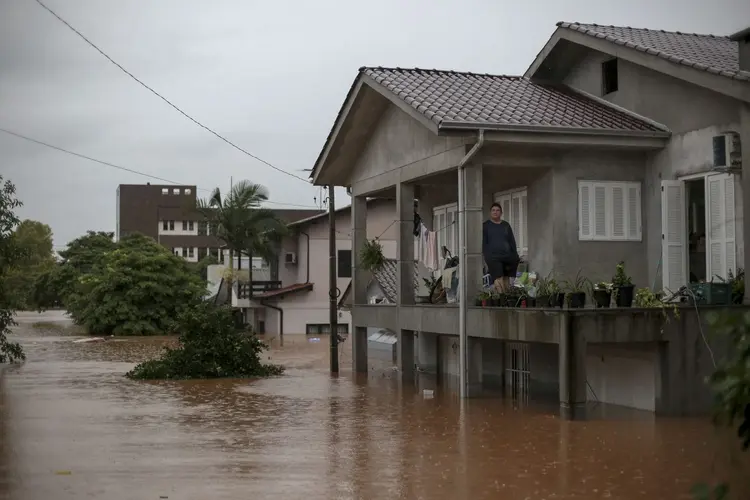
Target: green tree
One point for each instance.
(138, 288)
(35, 239)
(10, 254)
(243, 224)
(210, 347)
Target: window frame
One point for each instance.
(444, 229)
(165, 225)
(171, 225)
(609, 211)
(520, 230)
(610, 76)
(184, 225)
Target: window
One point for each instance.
(188, 191)
(164, 190)
(184, 225)
(344, 260)
(184, 251)
(515, 212)
(325, 328)
(171, 225)
(176, 191)
(202, 228)
(165, 225)
(191, 225)
(609, 211)
(445, 224)
(191, 252)
(609, 76)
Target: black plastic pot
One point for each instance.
(478, 302)
(542, 301)
(530, 301)
(577, 300)
(625, 295)
(557, 300)
(602, 298)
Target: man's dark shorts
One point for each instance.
(501, 269)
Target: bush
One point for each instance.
(210, 347)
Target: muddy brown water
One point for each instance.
(72, 427)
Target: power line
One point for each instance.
(132, 171)
(131, 75)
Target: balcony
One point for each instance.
(248, 290)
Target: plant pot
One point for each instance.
(492, 302)
(530, 301)
(480, 303)
(500, 300)
(602, 298)
(624, 296)
(557, 300)
(543, 301)
(577, 300)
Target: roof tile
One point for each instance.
(716, 54)
(495, 101)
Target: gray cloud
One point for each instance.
(270, 76)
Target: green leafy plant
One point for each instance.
(644, 297)
(578, 284)
(371, 257)
(210, 347)
(737, 281)
(603, 285)
(10, 254)
(621, 278)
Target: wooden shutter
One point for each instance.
(618, 211)
(674, 235)
(720, 230)
(585, 231)
(633, 212)
(600, 211)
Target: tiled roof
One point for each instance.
(714, 54)
(452, 99)
(386, 277)
(297, 287)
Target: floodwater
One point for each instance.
(72, 427)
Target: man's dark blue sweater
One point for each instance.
(498, 242)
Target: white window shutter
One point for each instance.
(720, 215)
(618, 212)
(505, 203)
(674, 235)
(633, 212)
(729, 220)
(600, 211)
(585, 231)
(524, 224)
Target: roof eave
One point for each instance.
(543, 129)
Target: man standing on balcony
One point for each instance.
(499, 248)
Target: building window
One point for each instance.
(344, 263)
(188, 191)
(609, 77)
(191, 225)
(609, 211)
(514, 203)
(191, 252)
(176, 191)
(202, 228)
(171, 225)
(445, 224)
(184, 251)
(165, 225)
(325, 328)
(164, 190)
(184, 225)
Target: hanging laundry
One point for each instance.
(432, 261)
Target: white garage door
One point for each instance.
(622, 378)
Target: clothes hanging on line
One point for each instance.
(432, 261)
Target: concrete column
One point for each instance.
(427, 352)
(405, 243)
(572, 366)
(405, 350)
(475, 365)
(474, 219)
(745, 141)
(360, 279)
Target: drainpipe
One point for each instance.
(307, 280)
(281, 319)
(463, 341)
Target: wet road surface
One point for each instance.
(72, 427)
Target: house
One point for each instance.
(617, 144)
(299, 303)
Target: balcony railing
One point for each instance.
(248, 290)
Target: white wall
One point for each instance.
(623, 376)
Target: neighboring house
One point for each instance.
(300, 302)
(617, 144)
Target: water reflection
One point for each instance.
(307, 435)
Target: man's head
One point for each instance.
(496, 212)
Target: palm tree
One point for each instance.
(243, 224)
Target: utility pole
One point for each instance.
(333, 291)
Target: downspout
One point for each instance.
(281, 319)
(307, 279)
(463, 281)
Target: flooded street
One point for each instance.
(72, 427)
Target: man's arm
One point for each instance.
(512, 241)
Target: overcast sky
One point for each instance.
(270, 76)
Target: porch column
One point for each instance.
(572, 365)
(405, 352)
(360, 279)
(474, 219)
(405, 244)
(745, 141)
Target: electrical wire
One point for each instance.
(157, 94)
(126, 169)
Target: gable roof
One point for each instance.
(459, 100)
(714, 54)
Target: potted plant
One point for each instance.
(737, 282)
(556, 295)
(371, 257)
(622, 286)
(482, 299)
(542, 292)
(576, 291)
(602, 294)
(514, 297)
